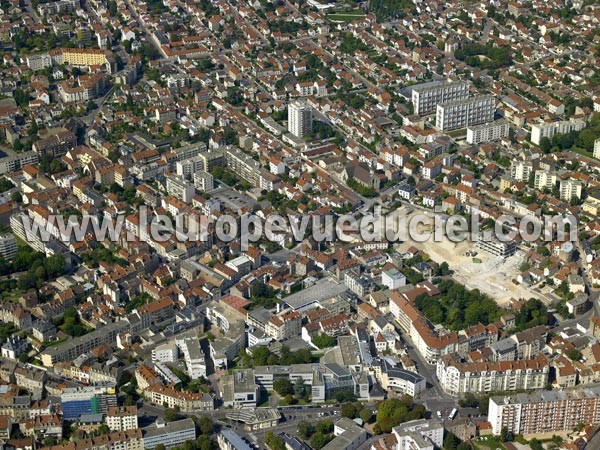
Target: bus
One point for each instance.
(452, 414)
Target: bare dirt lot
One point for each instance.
(493, 276)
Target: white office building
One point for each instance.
(463, 113)
(426, 97)
(299, 118)
(548, 130)
(487, 132)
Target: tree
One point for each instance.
(283, 386)
(366, 415)
(348, 410)
(574, 354)
(506, 435)
(451, 441)
(323, 341)
(545, 144)
(324, 426)
(171, 414)
(160, 447)
(205, 425)
(274, 442)
(320, 440)
(394, 411)
(305, 429)
(300, 390)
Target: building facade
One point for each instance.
(463, 113)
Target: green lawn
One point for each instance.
(492, 443)
(346, 16)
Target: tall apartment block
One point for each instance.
(597, 149)
(463, 113)
(487, 132)
(544, 411)
(425, 97)
(542, 130)
(8, 246)
(299, 118)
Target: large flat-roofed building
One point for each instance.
(59, 142)
(457, 378)
(239, 389)
(496, 247)
(544, 411)
(17, 161)
(72, 348)
(402, 381)
(256, 419)
(194, 357)
(87, 400)
(170, 434)
(229, 440)
(487, 132)
(548, 130)
(38, 62)
(426, 97)
(57, 7)
(466, 112)
(8, 246)
(243, 165)
(348, 435)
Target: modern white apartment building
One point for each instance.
(597, 149)
(194, 357)
(420, 434)
(570, 189)
(166, 353)
(393, 279)
(542, 130)
(426, 97)
(299, 118)
(39, 61)
(17, 161)
(522, 170)
(544, 411)
(463, 113)
(8, 246)
(487, 132)
(457, 378)
(545, 180)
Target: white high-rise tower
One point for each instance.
(299, 118)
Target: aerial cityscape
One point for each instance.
(299, 224)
